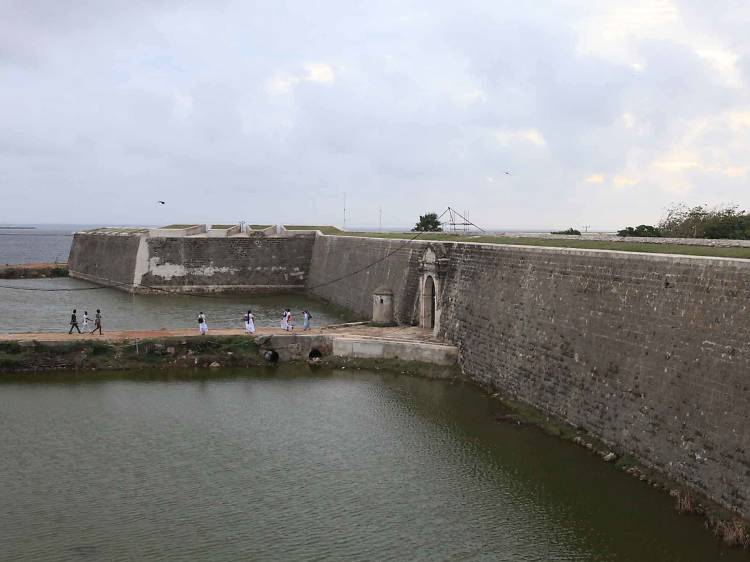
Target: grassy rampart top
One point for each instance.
(624, 246)
(323, 228)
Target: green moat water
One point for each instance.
(290, 464)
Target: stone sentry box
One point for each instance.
(382, 306)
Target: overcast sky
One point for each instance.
(604, 113)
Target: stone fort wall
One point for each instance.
(649, 352)
(108, 259)
(140, 263)
(220, 264)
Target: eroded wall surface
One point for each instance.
(257, 264)
(192, 264)
(650, 353)
(104, 258)
(397, 268)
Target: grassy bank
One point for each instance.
(624, 246)
(225, 351)
(33, 271)
(324, 229)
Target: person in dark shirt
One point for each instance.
(74, 322)
(97, 322)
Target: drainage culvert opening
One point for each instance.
(271, 356)
(314, 354)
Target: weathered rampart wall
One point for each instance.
(216, 264)
(649, 352)
(141, 263)
(108, 259)
(337, 256)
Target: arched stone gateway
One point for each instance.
(428, 303)
(432, 270)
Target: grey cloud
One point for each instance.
(105, 104)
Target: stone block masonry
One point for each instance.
(337, 256)
(139, 263)
(649, 352)
(220, 264)
(105, 258)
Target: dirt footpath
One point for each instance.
(357, 329)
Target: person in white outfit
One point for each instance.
(306, 316)
(202, 324)
(284, 323)
(249, 322)
(289, 320)
(85, 320)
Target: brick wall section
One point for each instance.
(240, 261)
(107, 259)
(337, 256)
(649, 352)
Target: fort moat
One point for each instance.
(294, 464)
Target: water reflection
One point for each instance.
(288, 464)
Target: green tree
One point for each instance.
(570, 231)
(644, 230)
(681, 221)
(428, 223)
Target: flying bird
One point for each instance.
(507, 173)
(161, 202)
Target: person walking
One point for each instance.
(74, 322)
(85, 320)
(202, 324)
(97, 322)
(306, 316)
(284, 318)
(249, 322)
(289, 320)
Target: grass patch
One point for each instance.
(323, 228)
(36, 271)
(102, 348)
(179, 226)
(260, 226)
(229, 351)
(10, 347)
(223, 226)
(10, 361)
(678, 249)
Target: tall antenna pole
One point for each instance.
(344, 210)
(380, 219)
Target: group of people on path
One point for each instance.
(85, 322)
(287, 321)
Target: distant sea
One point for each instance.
(46, 243)
(49, 243)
